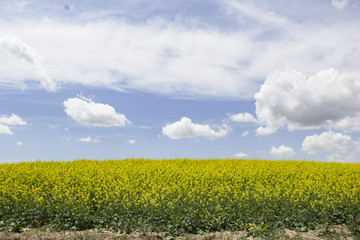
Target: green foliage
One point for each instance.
(179, 196)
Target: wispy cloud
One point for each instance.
(88, 140)
(240, 155)
(339, 4)
(22, 51)
(178, 59)
(265, 18)
(246, 133)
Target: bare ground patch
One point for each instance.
(334, 232)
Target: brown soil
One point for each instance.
(335, 232)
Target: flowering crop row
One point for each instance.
(179, 195)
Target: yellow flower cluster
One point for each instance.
(206, 194)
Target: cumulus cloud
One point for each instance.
(326, 142)
(88, 140)
(354, 155)
(12, 120)
(351, 156)
(339, 4)
(243, 117)
(336, 157)
(22, 51)
(282, 151)
(131, 141)
(264, 131)
(85, 111)
(240, 155)
(288, 98)
(349, 124)
(5, 130)
(185, 128)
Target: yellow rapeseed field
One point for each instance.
(179, 195)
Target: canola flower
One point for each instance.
(179, 195)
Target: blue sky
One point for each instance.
(180, 79)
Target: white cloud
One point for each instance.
(186, 129)
(177, 59)
(264, 131)
(336, 157)
(12, 120)
(85, 111)
(349, 124)
(339, 4)
(354, 155)
(240, 155)
(282, 151)
(5, 130)
(302, 39)
(196, 66)
(263, 17)
(146, 127)
(288, 98)
(88, 140)
(19, 143)
(131, 141)
(326, 142)
(351, 156)
(245, 134)
(22, 51)
(243, 117)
